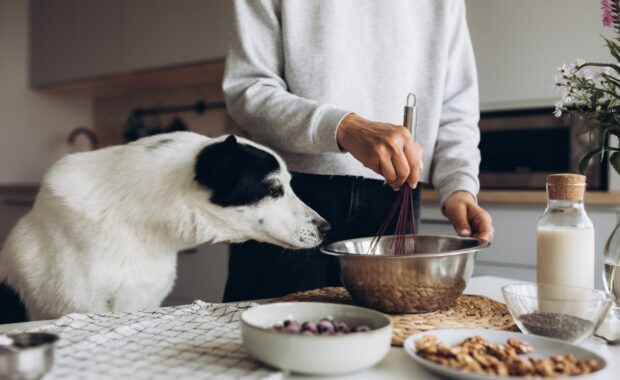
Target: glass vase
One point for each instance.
(611, 273)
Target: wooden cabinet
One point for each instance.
(513, 251)
(73, 40)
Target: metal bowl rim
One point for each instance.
(51, 342)
(481, 245)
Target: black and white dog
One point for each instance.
(106, 226)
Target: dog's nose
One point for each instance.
(322, 225)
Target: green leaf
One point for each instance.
(587, 129)
(611, 79)
(583, 164)
(613, 48)
(615, 161)
(599, 64)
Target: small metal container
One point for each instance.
(29, 357)
(430, 278)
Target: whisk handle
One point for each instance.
(410, 115)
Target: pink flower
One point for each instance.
(608, 14)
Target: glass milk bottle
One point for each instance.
(565, 241)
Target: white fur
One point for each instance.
(106, 226)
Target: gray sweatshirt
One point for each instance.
(296, 68)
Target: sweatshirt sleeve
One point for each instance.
(456, 158)
(256, 93)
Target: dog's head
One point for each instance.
(249, 193)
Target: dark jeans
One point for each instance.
(355, 207)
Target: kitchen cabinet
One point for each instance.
(73, 40)
(159, 33)
(513, 251)
(201, 274)
(12, 208)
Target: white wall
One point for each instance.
(33, 125)
(520, 43)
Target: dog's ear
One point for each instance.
(216, 163)
(235, 172)
(231, 141)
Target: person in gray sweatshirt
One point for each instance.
(323, 82)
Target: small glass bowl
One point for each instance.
(568, 313)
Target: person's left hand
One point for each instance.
(468, 218)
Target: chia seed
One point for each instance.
(556, 325)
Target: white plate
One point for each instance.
(543, 347)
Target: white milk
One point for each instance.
(565, 257)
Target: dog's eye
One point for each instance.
(276, 192)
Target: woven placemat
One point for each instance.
(470, 311)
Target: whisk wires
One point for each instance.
(402, 212)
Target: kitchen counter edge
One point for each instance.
(532, 197)
(517, 197)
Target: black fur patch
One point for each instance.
(159, 143)
(12, 309)
(236, 173)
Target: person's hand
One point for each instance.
(468, 218)
(387, 149)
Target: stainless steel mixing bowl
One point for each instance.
(430, 277)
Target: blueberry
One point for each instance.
(342, 327)
(309, 326)
(328, 318)
(291, 326)
(325, 327)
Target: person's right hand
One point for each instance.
(387, 149)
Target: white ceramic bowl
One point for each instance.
(314, 354)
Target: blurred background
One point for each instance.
(76, 75)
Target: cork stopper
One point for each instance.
(566, 186)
